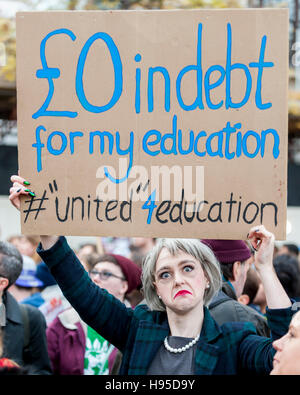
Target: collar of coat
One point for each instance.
(228, 290)
(13, 312)
(151, 334)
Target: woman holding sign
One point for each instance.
(174, 333)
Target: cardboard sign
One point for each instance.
(154, 124)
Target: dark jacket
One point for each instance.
(230, 349)
(35, 355)
(224, 307)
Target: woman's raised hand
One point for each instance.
(20, 187)
(263, 242)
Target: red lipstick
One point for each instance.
(182, 292)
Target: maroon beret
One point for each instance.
(131, 271)
(229, 251)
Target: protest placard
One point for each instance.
(153, 123)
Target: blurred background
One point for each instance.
(9, 218)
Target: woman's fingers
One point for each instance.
(259, 234)
(20, 180)
(263, 242)
(254, 237)
(19, 188)
(18, 185)
(14, 197)
(23, 185)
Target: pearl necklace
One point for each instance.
(181, 349)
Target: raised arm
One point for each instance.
(256, 352)
(263, 242)
(22, 187)
(100, 310)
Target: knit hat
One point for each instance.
(43, 273)
(28, 279)
(131, 271)
(229, 251)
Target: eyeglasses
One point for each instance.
(104, 275)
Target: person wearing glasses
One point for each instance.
(173, 333)
(74, 347)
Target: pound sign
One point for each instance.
(50, 74)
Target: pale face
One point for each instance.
(180, 281)
(24, 246)
(113, 284)
(260, 297)
(139, 241)
(86, 250)
(287, 358)
(242, 276)
(283, 251)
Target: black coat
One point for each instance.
(35, 355)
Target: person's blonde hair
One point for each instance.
(193, 247)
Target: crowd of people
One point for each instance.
(148, 306)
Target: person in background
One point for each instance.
(250, 289)
(260, 300)
(141, 245)
(136, 296)
(74, 347)
(27, 288)
(235, 260)
(88, 261)
(8, 366)
(287, 358)
(28, 263)
(289, 249)
(288, 272)
(38, 288)
(276, 249)
(115, 245)
(86, 249)
(21, 293)
(23, 326)
(27, 245)
(54, 300)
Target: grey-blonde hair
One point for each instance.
(193, 247)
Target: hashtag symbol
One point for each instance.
(31, 204)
